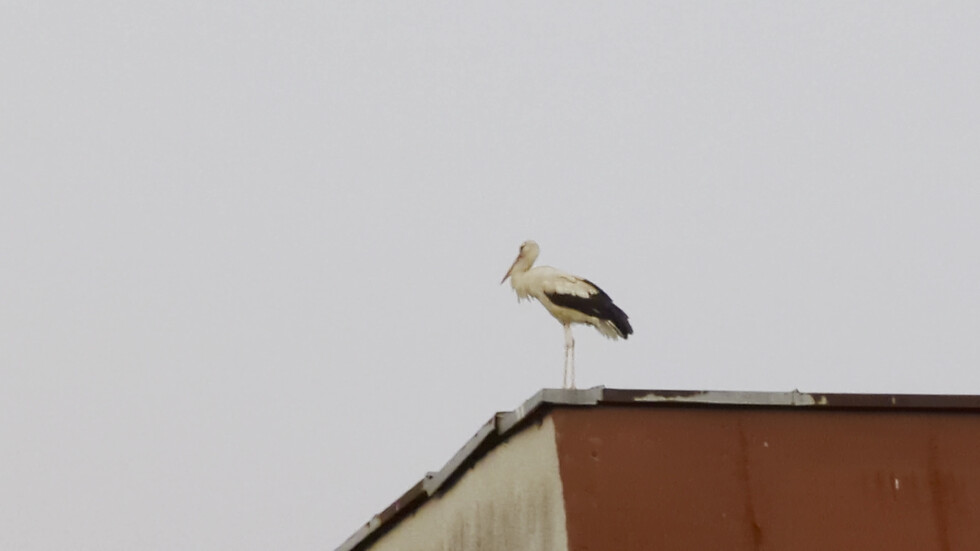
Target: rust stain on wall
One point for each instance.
(640, 478)
(755, 531)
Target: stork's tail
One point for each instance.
(616, 321)
(620, 321)
(614, 324)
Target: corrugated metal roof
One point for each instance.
(502, 424)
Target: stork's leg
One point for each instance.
(569, 381)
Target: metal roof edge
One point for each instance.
(794, 398)
(549, 397)
(715, 397)
(499, 427)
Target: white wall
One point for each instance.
(511, 499)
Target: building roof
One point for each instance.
(501, 425)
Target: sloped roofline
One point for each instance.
(502, 424)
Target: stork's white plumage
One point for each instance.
(569, 299)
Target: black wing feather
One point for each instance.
(598, 305)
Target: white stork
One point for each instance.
(569, 299)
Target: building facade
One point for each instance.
(625, 470)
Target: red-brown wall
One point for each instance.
(675, 478)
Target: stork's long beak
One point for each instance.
(510, 270)
(508, 274)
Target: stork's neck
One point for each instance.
(518, 276)
(522, 265)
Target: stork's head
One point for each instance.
(525, 258)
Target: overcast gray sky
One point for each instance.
(250, 251)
